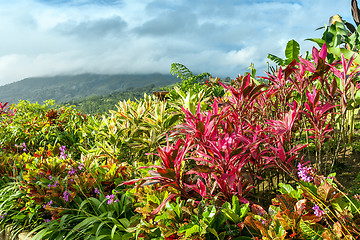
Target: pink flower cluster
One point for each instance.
(63, 155)
(305, 173)
(317, 211)
(66, 196)
(48, 204)
(111, 199)
(23, 146)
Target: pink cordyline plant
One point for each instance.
(252, 130)
(4, 109)
(171, 173)
(237, 146)
(317, 114)
(243, 100)
(284, 127)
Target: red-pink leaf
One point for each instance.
(201, 188)
(158, 209)
(130, 182)
(315, 54)
(323, 52)
(308, 66)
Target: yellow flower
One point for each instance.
(334, 19)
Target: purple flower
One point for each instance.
(63, 155)
(49, 185)
(47, 220)
(55, 183)
(66, 196)
(48, 204)
(50, 177)
(305, 173)
(317, 211)
(24, 147)
(96, 191)
(81, 165)
(72, 171)
(110, 199)
(3, 215)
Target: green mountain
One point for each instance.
(70, 88)
(104, 103)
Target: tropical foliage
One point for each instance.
(248, 159)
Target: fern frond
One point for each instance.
(181, 71)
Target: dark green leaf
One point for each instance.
(277, 60)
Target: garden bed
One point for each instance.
(249, 159)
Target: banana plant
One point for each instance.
(292, 52)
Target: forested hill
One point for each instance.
(104, 103)
(69, 88)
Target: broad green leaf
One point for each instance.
(125, 222)
(232, 216)
(288, 189)
(235, 204)
(213, 231)
(339, 204)
(311, 231)
(226, 205)
(185, 227)
(307, 186)
(244, 210)
(192, 230)
(337, 40)
(319, 41)
(292, 50)
(210, 212)
(340, 28)
(347, 53)
(18, 217)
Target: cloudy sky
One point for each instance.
(223, 37)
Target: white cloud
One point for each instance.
(243, 56)
(130, 36)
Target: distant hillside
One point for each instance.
(104, 103)
(69, 88)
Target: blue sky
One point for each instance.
(223, 37)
